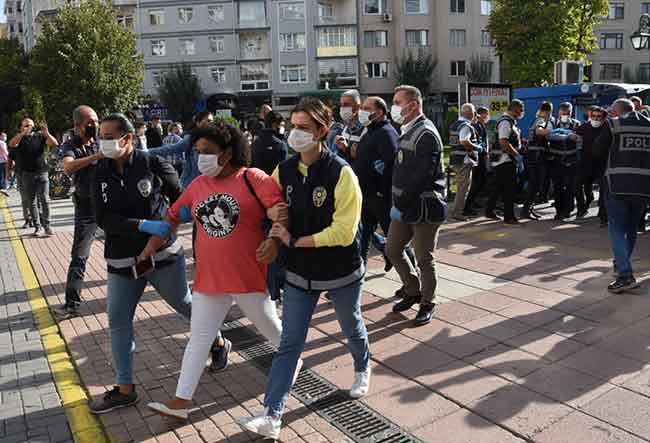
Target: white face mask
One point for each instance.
(596, 123)
(281, 130)
(208, 164)
(396, 114)
(301, 141)
(364, 117)
(346, 113)
(111, 148)
(565, 118)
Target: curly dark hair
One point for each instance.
(226, 136)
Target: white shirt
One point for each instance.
(407, 127)
(465, 133)
(504, 129)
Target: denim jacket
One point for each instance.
(191, 168)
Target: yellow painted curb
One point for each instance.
(84, 426)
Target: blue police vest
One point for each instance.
(311, 203)
(628, 165)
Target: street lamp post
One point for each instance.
(641, 37)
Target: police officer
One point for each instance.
(463, 156)
(504, 152)
(479, 173)
(564, 167)
(627, 144)
(536, 157)
(419, 202)
(80, 155)
(130, 193)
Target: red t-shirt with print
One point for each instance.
(229, 230)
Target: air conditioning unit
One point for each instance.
(388, 18)
(569, 71)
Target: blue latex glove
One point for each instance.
(185, 215)
(158, 228)
(395, 214)
(379, 166)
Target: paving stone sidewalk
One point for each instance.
(527, 345)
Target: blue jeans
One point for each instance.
(624, 216)
(297, 309)
(123, 297)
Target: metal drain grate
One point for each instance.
(354, 419)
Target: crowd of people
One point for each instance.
(289, 212)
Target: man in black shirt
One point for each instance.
(270, 149)
(154, 134)
(30, 153)
(80, 156)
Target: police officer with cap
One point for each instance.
(626, 142)
(565, 165)
(80, 156)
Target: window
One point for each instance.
(457, 38)
(216, 13)
(457, 6)
(486, 7)
(418, 38)
(20, 28)
(186, 46)
(486, 39)
(19, 7)
(158, 48)
(253, 45)
(156, 17)
(252, 13)
(487, 68)
(10, 10)
(611, 40)
(158, 78)
(325, 10)
(375, 39)
(644, 73)
(377, 70)
(293, 74)
(217, 43)
(126, 21)
(616, 11)
(337, 73)
(457, 68)
(292, 11)
(337, 37)
(218, 74)
(371, 7)
(292, 42)
(610, 71)
(645, 8)
(254, 76)
(11, 28)
(185, 15)
(412, 7)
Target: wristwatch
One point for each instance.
(292, 242)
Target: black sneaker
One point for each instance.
(492, 215)
(622, 284)
(387, 264)
(425, 314)
(112, 400)
(406, 303)
(220, 356)
(66, 311)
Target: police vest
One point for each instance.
(566, 150)
(628, 165)
(457, 149)
(311, 203)
(515, 138)
(537, 144)
(430, 206)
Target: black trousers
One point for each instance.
(536, 179)
(479, 178)
(375, 211)
(505, 187)
(586, 178)
(84, 233)
(564, 185)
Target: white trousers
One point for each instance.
(208, 314)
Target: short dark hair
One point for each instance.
(515, 104)
(226, 136)
(316, 110)
(566, 106)
(201, 116)
(272, 118)
(380, 104)
(546, 107)
(123, 123)
(482, 110)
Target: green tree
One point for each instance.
(84, 57)
(179, 91)
(416, 70)
(13, 63)
(532, 35)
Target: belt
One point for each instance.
(318, 285)
(172, 249)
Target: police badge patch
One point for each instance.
(145, 187)
(319, 196)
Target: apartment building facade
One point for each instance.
(616, 60)
(14, 12)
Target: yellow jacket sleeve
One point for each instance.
(276, 176)
(347, 212)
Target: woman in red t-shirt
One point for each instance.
(231, 252)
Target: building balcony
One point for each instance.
(334, 20)
(337, 51)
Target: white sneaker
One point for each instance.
(263, 425)
(297, 371)
(161, 408)
(361, 383)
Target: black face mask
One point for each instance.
(90, 132)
